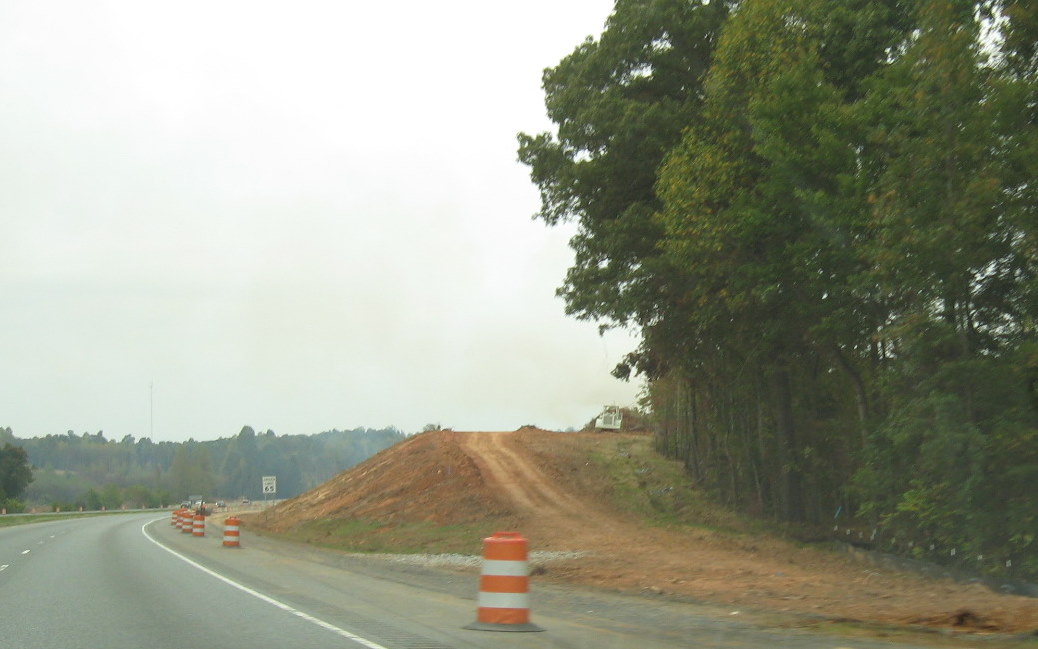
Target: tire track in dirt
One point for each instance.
(517, 478)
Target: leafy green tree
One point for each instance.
(191, 471)
(92, 500)
(1020, 31)
(15, 472)
(827, 237)
(953, 263)
(241, 470)
(620, 103)
(112, 496)
(761, 207)
(938, 190)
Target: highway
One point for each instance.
(133, 581)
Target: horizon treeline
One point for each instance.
(87, 470)
(823, 219)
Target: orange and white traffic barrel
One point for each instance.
(188, 524)
(175, 517)
(198, 528)
(504, 585)
(231, 533)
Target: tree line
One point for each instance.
(87, 470)
(822, 218)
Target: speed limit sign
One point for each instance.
(270, 484)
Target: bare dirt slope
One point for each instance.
(543, 484)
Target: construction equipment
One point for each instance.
(610, 419)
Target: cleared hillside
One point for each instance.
(636, 522)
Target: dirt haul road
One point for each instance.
(534, 470)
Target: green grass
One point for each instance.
(371, 536)
(659, 490)
(916, 636)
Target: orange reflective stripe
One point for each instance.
(499, 584)
(503, 615)
(504, 548)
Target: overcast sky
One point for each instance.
(297, 216)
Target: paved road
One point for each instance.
(100, 583)
(133, 581)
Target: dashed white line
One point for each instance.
(4, 567)
(260, 596)
(26, 551)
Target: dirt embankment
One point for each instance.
(550, 486)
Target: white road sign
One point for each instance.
(270, 484)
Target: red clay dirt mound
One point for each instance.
(426, 478)
(544, 483)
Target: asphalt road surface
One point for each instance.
(135, 582)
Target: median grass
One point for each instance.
(10, 520)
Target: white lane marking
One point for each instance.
(4, 567)
(260, 596)
(26, 551)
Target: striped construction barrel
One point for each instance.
(230, 532)
(504, 585)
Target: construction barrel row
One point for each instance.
(190, 522)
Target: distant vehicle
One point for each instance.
(245, 501)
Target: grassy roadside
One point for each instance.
(396, 537)
(658, 491)
(10, 520)
(646, 485)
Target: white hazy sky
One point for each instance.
(293, 215)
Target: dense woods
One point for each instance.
(89, 471)
(822, 218)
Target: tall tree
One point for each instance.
(620, 103)
(836, 271)
(762, 210)
(191, 471)
(15, 472)
(241, 469)
(953, 261)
